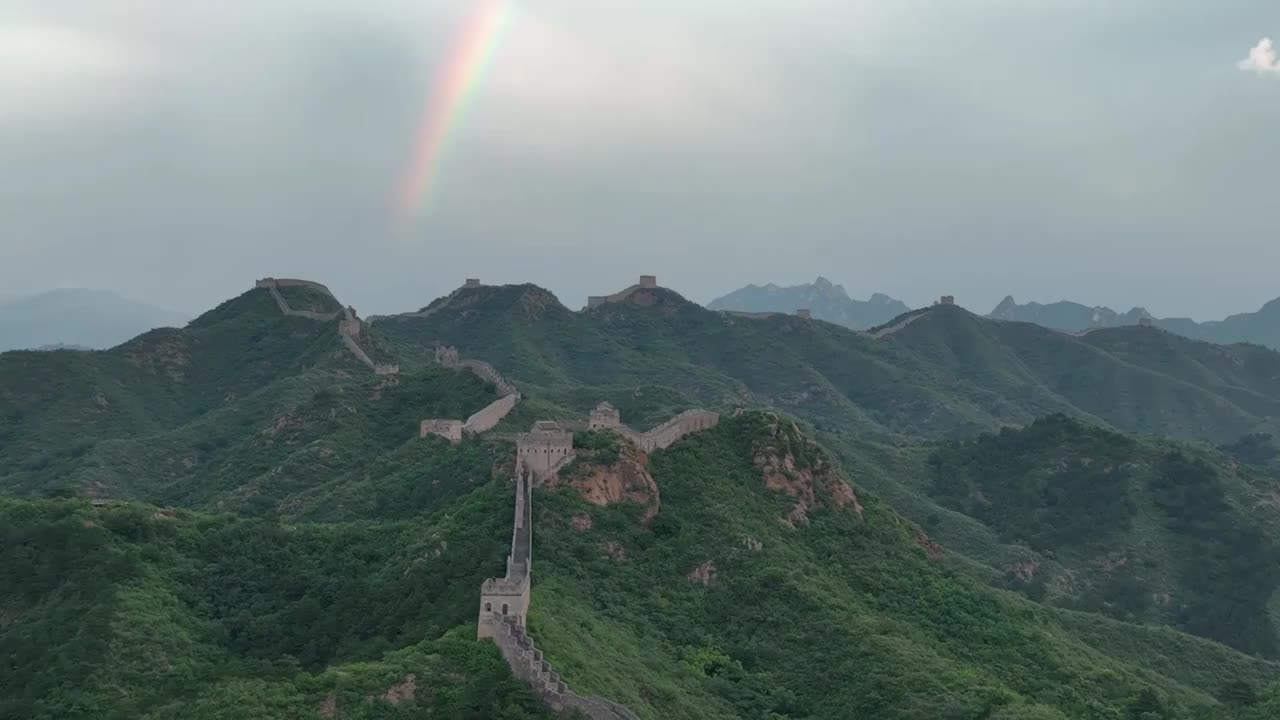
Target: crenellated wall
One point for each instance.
(487, 417)
(666, 434)
(504, 608)
(528, 664)
(660, 437)
(448, 356)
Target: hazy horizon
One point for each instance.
(1057, 150)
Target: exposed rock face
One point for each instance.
(329, 707)
(581, 522)
(809, 481)
(703, 574)
(405, 690)
(627, 480)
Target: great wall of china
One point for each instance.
(505, 601)
(349, 327)
(540, 454)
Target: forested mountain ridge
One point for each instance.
(945, 372)
(780, 551)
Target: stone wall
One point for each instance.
(271, 285)
(666, 434)
(647, 282)
(528, 664)
(350, 324)
(492, 414)
(358, 351)
(451, 430)
(448, 357)
(660, 437)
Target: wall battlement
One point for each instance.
(657, 438)
(647, 282)
(528, 663)
(487, 417)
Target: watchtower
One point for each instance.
(648, 281)
(804, 313)
(471, 283)
(543, 449)
(605, 416)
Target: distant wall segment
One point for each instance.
(348, 327)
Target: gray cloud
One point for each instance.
(1046, 149)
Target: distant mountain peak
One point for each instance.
(823, 298)
(77, 317)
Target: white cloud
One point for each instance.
(1262, 59)
(43, 66)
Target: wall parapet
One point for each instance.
(661, 436)
(448, 356)
(529, 664)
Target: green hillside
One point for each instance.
(285, 545)
(946, 373)
(1136, 529)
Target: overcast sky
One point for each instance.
(1110, 152)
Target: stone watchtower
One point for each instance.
(605, 416)
(648, 281)
(804, 313)
(543, 449)
(471, 283)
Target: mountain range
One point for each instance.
(946, 516)
(830, 302)
(77, 318)
(823, 299)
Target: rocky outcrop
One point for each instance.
(792, 464)
(627, 480)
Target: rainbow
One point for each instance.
(454, 87)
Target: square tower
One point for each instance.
(648, 281)
(605, 416)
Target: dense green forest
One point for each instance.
(960, 519)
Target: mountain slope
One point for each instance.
(89, 318)
(1139, 529)
(134, 612)
(762, 570)
(752, 578)
(57, 406)
(826, 301)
